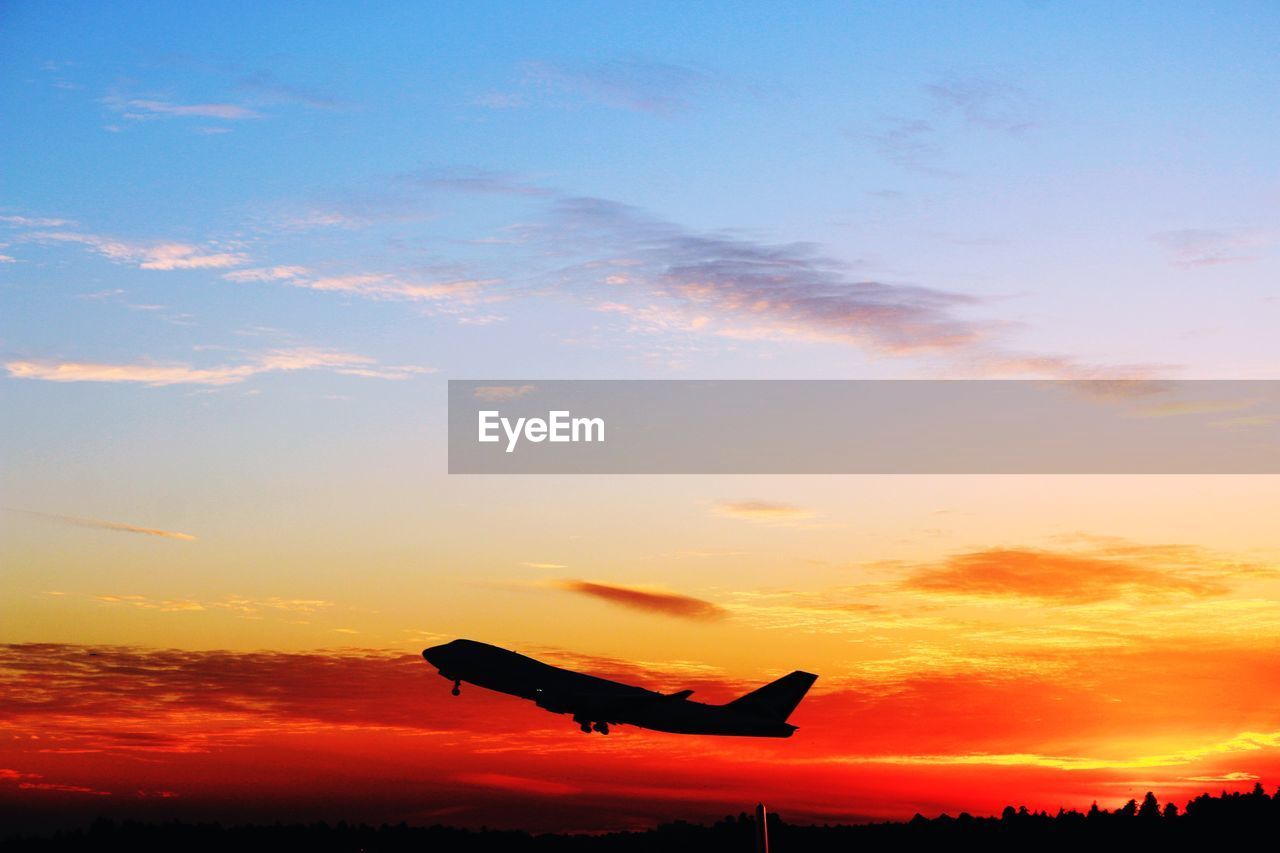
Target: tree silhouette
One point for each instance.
(1230, 819)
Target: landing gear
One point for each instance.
(457, 687)
(587, 727)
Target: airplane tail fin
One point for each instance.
(777, 699)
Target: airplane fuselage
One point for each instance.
(596, 703)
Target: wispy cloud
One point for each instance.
(36, 222)
(920, 142)
(658, 88)
(1199, 247)
(668, 280)
(472, 180)
(648, 600)
(518, 784)
(500, 393)
(141, 108)
(986, 102)
(387, 286)
(264, 87)
(102, 524)
(911, 143)
(744, 289)
(147, 256)
(368, 285)
(273, 361)
(237, 604)
(276, 273)
(1233, 777)
(756, 510)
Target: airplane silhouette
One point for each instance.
(597, 703)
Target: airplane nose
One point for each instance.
(433, 656)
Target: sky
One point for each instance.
(243, 247)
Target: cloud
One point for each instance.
(386, 286)
(657, 88)
(263, 87)
(911, 143)
(276, 273)
(369, 285)
(237, 604)
(154, 256)
(35, 782)
(543, 565)
(985, 102)
(920, 142)
(110, 525)
(669, 280)
(1060, 577)
(755, 510)
(1237, 776)
(500, 393)
(651, 601)
(473, 180)
(517, 784)
(35, 222)
(274, 361)
(1198, 247)
(391, 372)
(141, 108)
(744, 289)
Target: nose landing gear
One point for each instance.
(457, 687)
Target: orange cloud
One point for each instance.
(756, 510)
(666, 603)
(1053, 576)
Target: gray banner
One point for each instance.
(863, 427)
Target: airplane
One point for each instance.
(597, 703)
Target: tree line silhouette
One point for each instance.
(1206, 820)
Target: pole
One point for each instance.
(762, 829)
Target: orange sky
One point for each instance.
(980, 650)
(376, 736)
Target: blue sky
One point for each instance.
(1096, 178)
